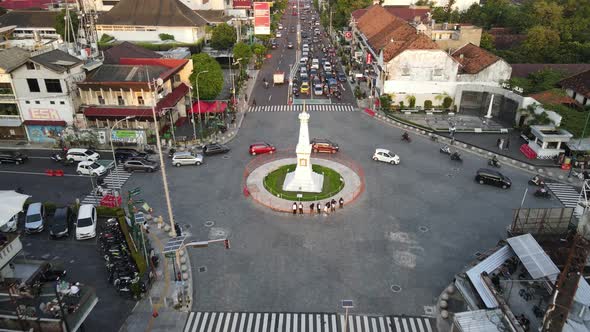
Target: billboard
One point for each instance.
(261, 18)
(242, 4)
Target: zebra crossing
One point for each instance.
(303, 322)
(566, 194)
(114, 180)
(299, 108)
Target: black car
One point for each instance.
(492, 177)
(59, 225)
(304, 35)
(214, 148)
(123, 154)
(341, 77)
(12, 157)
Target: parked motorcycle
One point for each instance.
(171, 152)
(149, 149)
(59, 158)
(456, 156)
(542, 193)
(494, 163)
(537, 181)
(445, 149)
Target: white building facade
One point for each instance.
(459, 4)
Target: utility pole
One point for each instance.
(331, 22)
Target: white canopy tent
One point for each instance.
(11, 203)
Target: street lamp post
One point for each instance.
(190, 100)
(236, 62)
(199, 103)
(113, 149)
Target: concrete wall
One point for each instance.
(424, 90)
(422, 65)
(181, 34)
(579, 98)
(466, 35)
(44, 105)
(459, 4)
(495, 73)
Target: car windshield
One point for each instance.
(94, 166)
(33, 218)
(89, 152)
(84, 222)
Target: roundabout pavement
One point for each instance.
(257, 170)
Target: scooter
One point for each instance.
(266, 84)
(493, 163)
(542, 193)
(537, 181)
(456, 156)
(171, 152)
(58, 158)
(445, 149)
(406, 137)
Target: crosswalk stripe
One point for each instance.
(566, 194)
(334, 327)
(388, 324)
(382, 324)
(204, 322)
(420, 325)
(264, 322)
(187, 326)
(299, 108)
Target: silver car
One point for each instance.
(186, 158)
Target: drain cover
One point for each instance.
(209, 223)
(202, 269)
(477, 254)
(396, 288)
(423, 229)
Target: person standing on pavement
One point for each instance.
(341, 202)
(319, 208)
(300, 208)
(333, 205)
(311, 208)
(294, 208)
(326, 210)
(508, 143)
(498, 143)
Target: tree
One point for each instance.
(541, 43)
(2, 10)
(411, 101)
(60, 24)
(548, 13)
(210, 83)
(259, 50)
(242, 51)
(166, 36)
(487, 41)
(223, 36)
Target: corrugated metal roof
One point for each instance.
(488, 265)
(534, 258)
(480, 321)
(583, 293)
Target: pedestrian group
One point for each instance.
(327, 208)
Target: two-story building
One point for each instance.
(479, 65)
(45, 91)
(30, 29)
(11, 122)
(457, 4)
(578, 87)
(146, 20)
(132, 88)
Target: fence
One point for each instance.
(264, 197)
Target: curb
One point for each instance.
(531, 169)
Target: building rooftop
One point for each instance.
(170, 13)
(213, 16)
(410, 13)
(473, 59)
(553, 97)
(580, 83)
(570, 69)
(127, 50)
(12, 58)
(125, 73)
(29, 18)
(56, 60)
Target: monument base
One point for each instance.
(313, 184)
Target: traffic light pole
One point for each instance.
(205, 244)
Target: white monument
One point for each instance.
(303, 179)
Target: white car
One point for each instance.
(186, 158)
(318, 90)
(90, 168)
(303, 61)
(10, 226)
(279, 34)
(315, 63)
(305, 49)
(327, 67)
(386, 156)
(86, 222)
(76, 154)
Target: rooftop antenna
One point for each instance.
(87, 35)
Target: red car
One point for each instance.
(260, 148)
(324, 145)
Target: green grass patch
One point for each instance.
(572, 120)
(273, 182)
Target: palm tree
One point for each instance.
(411, 100)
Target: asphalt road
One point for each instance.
(416, 225)
(282, 58)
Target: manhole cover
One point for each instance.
(218, 232)
(226, 157)
(187, 226)
(429, 310)
(209, 223)
(423, 229)
(396, 288)
(202, 269)
(456, 169)
(477, 254)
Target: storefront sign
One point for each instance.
(45, 114)
(358, 54)
(348, 35)
(369, 58)
(261, 18)
(242, 4)
(128, 136)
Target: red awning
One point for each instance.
(45, 123)
(209, 107)
(171, 99)
(112, 112)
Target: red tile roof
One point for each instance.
(569, 69)
(580, 83)
(393, 34)
(473, 59)
(175, 65)
(409, 14)
(127, 50)
(553, 97)
(358, 13)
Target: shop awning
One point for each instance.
(171, 99)
(209, 107)
(533, 257)
(60, 123)
(115, 112)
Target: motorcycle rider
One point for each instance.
(406, 136)
(536, 179)
(265, 82)
(495, 160)
(455, 155)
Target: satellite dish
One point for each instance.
(159, 81)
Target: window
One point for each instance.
(53, 86)
(62, 102)
(140, 100)
(37, 102)
(33, 85)
(120, 100)
(31, 66)
(27, 102)
(52, 102)
(406, 71)
(176, 78)
(438, 72)
(101, 100)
